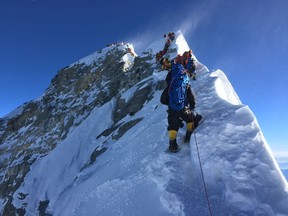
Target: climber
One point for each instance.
(166, 64)
(178, 104)
(164, 99)
(159, 55)
(131, 51)
(167, 45)
(170, 35)
(189, 64)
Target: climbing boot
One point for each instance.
(197, 119)
(173, 146)
(187, 136)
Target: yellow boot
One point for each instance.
(190, 128)
(173, 146)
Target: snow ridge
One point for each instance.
(133, 174)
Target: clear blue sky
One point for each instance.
(246, 39)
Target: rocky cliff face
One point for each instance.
(39, 125)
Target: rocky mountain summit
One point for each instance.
(34, 129)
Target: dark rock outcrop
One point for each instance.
(73, 93)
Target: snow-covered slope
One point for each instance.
(113, 163)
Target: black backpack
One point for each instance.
(164, 99)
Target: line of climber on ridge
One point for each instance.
(178, 94)
(170, 37)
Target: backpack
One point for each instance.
(164, 99)
(178, 88)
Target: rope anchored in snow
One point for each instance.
(203, 179)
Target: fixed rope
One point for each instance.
(203, 179)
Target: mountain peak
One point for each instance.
(97, 141)
(109, 49)
(178, 45)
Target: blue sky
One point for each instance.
(246, 39)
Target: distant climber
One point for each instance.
(180, 99)
(189, 64)
(170, 38)
(166, 64)
(167, 45)
(170, 35)
(131, 51)
(159, 55)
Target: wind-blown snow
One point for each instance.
(136, 175)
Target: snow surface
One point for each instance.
(137, 176)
